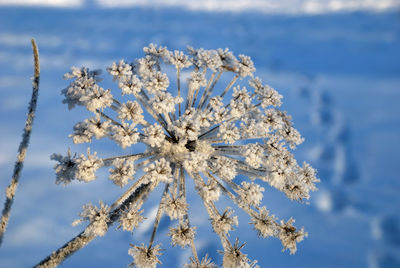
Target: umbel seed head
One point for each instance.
(214, 123)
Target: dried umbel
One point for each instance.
(220, 127)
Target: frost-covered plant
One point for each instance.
(225, 137)
(23, 146)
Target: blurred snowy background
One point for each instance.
(336, 62)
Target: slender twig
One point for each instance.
(82, 239)
(208, 132)
(194, 251)
(208, 85)
(182, 187)
(186, 216)
(229, 151)
(210, 90)
(133, 157)
(109, 118)
(206, 90)
(178, 77)
(229, 85)
(175, 182)
(189, 98)
(12, 188)
(127, 193)
(158, 217)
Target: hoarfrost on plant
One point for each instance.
(220, 127)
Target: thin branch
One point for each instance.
(128, 193)
(229, 85)
(82, 239)
(210, 90)
(158, 217)
(206, 90)
(194, 251)
(109, 118)
(229, 149)
(202, 135)
(186, 216)
(208, 85)
(175, 182)
(133, 157)
(178, 75)
(182, 186)
(12, 188)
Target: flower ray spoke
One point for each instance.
(209, 92)
(107, 161)
(158, 217)
(205, 92)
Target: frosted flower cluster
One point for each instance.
(213, 123)
(98, 218)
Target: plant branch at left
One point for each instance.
(23, 146)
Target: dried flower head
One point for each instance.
(182, 235)
(145, 257)
(234, 258)
(205, 263)
(219, 123)
(290, 236)
(130, 218)
(98, 218)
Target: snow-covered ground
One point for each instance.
(338, 72)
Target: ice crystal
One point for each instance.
(220, 127)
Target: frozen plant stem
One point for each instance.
(81, 240)
(178, 75)
(158, 217)
(12, 188)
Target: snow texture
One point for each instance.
(338, 73)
